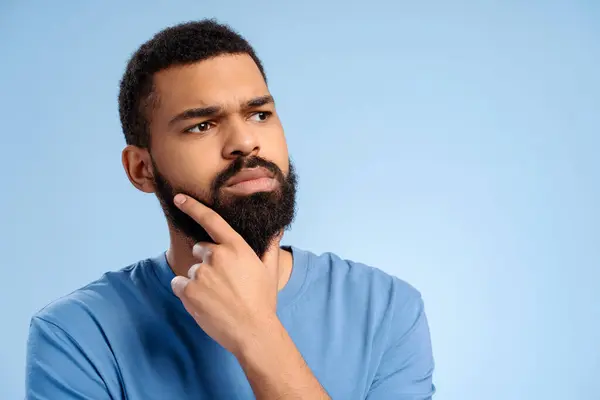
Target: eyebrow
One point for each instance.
(259, 102)
(211, 111)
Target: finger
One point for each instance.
(178, 285)
(192, 270)
(203, 251)
(218, 229)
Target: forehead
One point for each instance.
(225, 80)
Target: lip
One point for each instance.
(249, 175)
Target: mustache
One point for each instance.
(243, 163)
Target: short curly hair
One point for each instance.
(181, 44)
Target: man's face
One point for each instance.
(215, 136)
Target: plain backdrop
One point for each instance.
(453, 144)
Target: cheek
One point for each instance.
(188, 168)
(277, 151)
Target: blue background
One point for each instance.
(453, 144)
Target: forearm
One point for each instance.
(275, 368)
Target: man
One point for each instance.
(226, 312)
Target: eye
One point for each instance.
(201, 127)
(261, 116)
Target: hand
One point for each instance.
(231, 293)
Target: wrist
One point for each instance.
(274, 366)
(264, 332)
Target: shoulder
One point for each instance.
(103, 298)
(70, 341)
(364, 293)
(361, 277)
(387, 308)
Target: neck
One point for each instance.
(180, 258)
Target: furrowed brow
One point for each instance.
(259, 102)
(193, 113)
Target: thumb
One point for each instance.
(178, 285)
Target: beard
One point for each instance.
(257, 217)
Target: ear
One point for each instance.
(138, 168)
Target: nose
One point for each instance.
(241, 141)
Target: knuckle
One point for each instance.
(201, 273)
(193, 271)
(189, 290)
(217, 255)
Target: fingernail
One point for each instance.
(179, 199)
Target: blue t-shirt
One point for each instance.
(363, 334)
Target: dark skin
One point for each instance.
(208, 114)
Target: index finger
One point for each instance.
(218, 229)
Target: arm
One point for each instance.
(56, 368)
(405, 371)
(275, 368)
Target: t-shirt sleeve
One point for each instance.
(406, 368)
(57, 368)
